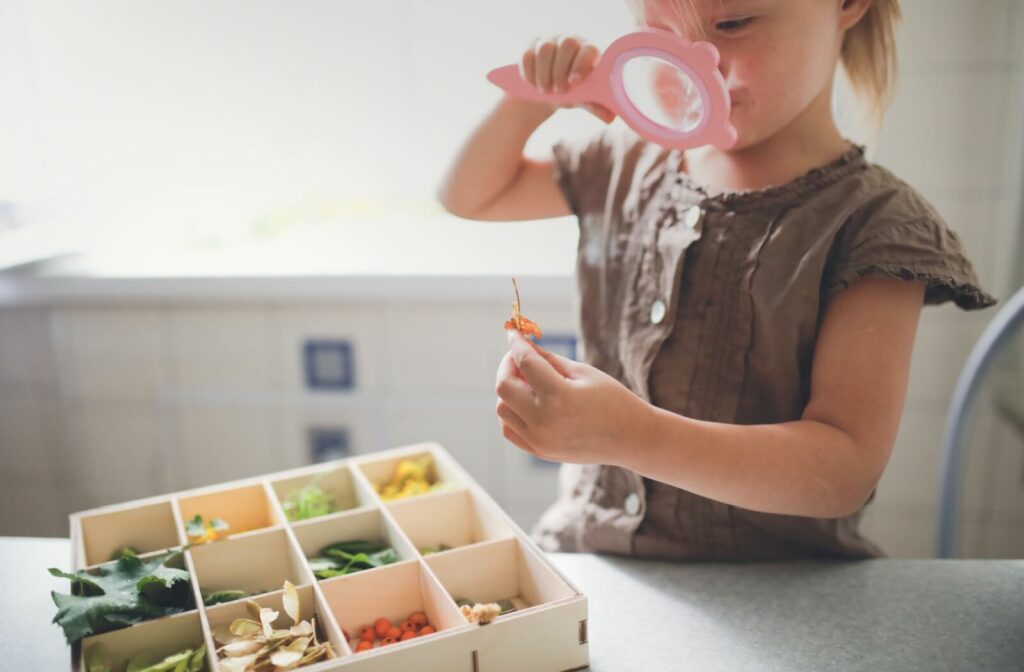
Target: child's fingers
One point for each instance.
(583, 63)
(545, 56)
(513, 436)
(528, 64)
(512, 388)
(564, 58)
(511, 418)
(538, 371)
(561, 364)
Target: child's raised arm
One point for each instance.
(491, 179)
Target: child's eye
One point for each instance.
(732, 25)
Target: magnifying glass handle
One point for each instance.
(508, 79)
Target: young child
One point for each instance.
(747, 315)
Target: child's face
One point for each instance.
(777, 56)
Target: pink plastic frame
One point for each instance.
(604, 86)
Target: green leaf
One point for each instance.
(195, 663)
(221, 596)
(196, 527)
(124, 551)
(219, 524)
(308, 502)
(149, 662)
(118, 594)
(355, 546)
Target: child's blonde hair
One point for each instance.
(868, 53)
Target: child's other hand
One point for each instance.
(555, 65)
(565, 411)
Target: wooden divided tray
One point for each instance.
(489, 559)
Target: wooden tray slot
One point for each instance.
(499, 570)
(393, 592)
(451, 519)
(163, 637)
(255, 563)
(145, 528)
(379, 470)
(365, 524)
(222, 615)
(346, 492)
(244, 508)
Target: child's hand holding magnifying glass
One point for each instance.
(555, 65)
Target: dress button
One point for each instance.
(692, 215)
(657, 311)
(632, 504)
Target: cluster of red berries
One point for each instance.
(383, 632)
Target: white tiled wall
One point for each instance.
(954, 133)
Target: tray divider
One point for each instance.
(437, 592)
(399, 533)
(363, 484)
(204, 622)
(276, 511)
(179, 521)
(331, 627)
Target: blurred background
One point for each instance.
(220, 252)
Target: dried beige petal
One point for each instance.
(302, 629)
(253, 607)
(242, 647)
(223, 635)
(243, 627)
(268, 616)
(290, 655)
(290, 601)
(240, 664)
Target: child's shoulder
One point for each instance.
(892, 230)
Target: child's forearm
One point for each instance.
(490, 160)
(802, 468)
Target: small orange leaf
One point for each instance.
(520, 323)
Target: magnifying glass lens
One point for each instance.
(663, 93)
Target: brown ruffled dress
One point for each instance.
(709, 306)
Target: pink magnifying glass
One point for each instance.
(667, 89)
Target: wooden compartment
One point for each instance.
(162, 637)
(244, 508)
(311, 606)
(451, 519)
(346, 493)
(499, 570)
(366, 524)
(491, 559)
(392, 592)
(548, 631)
(254, 563)
(379, 470)
(146, 528)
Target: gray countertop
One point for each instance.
(870, 615)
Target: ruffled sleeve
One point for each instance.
(903, 237)
(584, 170)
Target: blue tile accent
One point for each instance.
(560, 344)
(328, 443)
(329, 365)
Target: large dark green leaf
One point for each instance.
(117, 594)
